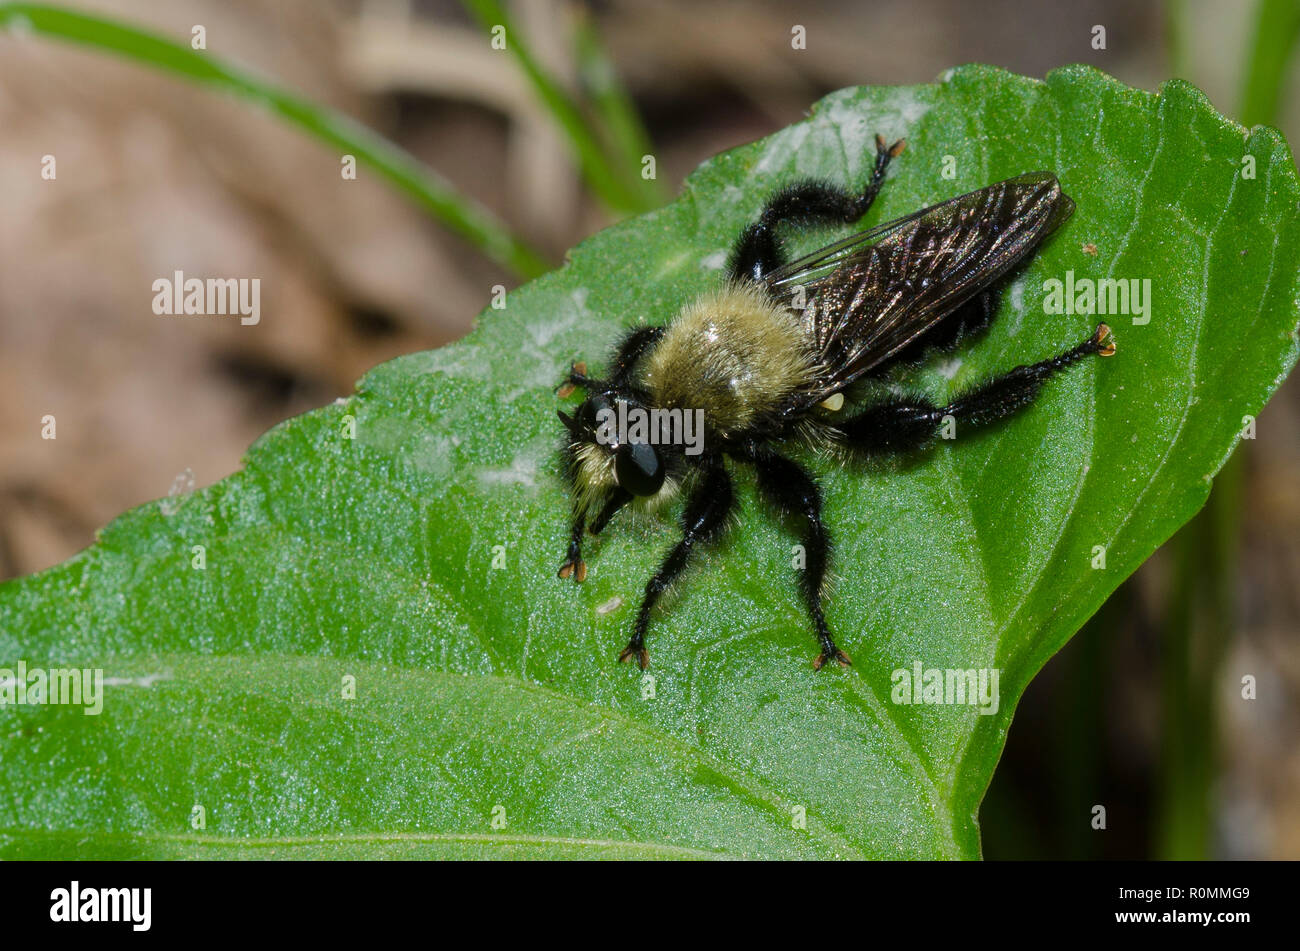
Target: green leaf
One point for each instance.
(481, 687)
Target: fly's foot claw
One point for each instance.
(832, 652)
(893, 151)
(577, 376)
(1105, 342)
(577, 568)
(636, 650)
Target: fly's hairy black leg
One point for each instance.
(790, 488)
(633, 345)
(616, 501)
(1012, 391)
(573, 564)
(758, 252)
(892, 426)
(703, 522)
(967, 320)
(630, 350)
(904, 425)
(577, 377)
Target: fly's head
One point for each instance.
(607, 452)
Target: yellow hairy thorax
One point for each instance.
(734, 353)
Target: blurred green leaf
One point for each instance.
(625, 136)
(1268, 59)
(487, 692)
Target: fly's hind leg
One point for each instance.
(758, 252)
(904, 425)
(790, 488)
(703, 521)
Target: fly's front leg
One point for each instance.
(633, 346)
(703, 521)
(573, 565)
(577, 377)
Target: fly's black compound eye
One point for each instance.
(638, 469)
(589, 413)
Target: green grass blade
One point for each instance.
(1277, 28)
(1176, 38)
(609, 97)
(613, 188)
(403, 170)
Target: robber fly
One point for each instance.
(768, 357)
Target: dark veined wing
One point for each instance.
(868, 296)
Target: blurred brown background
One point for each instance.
(155, 174)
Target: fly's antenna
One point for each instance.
(570, 423)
